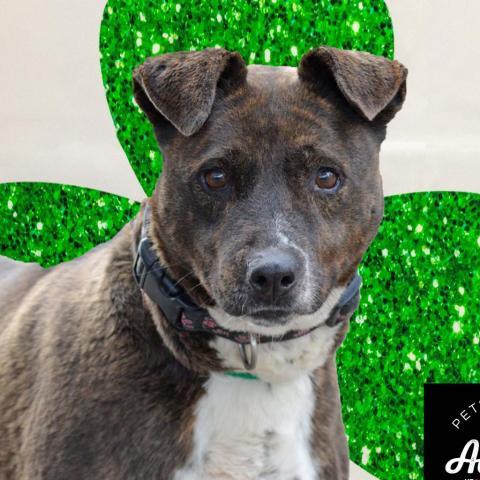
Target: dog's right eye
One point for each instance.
(215, 179)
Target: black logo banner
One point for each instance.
(452, 432)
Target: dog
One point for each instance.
(199, 342)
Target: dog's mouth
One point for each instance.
(280, 315)
(269, 316)
(265, 315)
(275, 319)
(241, 304)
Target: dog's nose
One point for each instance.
(273, 273)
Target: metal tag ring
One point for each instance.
(249, 362)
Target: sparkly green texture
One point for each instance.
(49, 223)
(419, 321)
(276, 32)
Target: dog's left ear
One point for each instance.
(180, 87)
(374, 86)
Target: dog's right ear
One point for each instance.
(374, 86)
(181, 86)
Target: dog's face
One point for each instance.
(271, 190)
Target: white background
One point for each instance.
(55, 125)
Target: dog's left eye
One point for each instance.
(327, 179)
(215, 179)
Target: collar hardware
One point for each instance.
(249, 361)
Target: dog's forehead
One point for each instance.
(265, 76)
(274, 105)
(275, 111)
(274, 96)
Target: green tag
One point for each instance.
(244, 375)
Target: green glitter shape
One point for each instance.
(418, 322)
(132, 30)
(49, 223)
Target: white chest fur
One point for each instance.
(252, 430)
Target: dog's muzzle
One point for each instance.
(185, 315)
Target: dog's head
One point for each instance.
(271, 190)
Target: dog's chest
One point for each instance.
(249, 430)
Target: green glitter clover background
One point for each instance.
(418, 320)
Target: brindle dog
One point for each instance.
(269, 197)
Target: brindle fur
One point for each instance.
(94, 383)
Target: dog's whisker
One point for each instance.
(158, 268)
(190, 290)
(184, 277)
